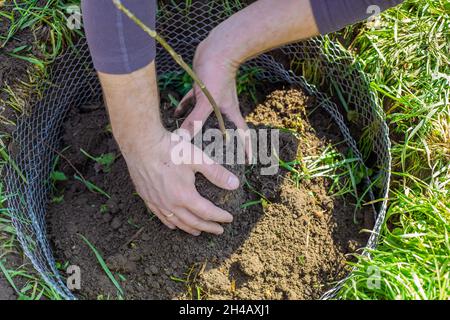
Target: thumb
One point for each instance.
(218, 175)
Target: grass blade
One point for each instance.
(103, 264)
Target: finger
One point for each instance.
(195, 222)
(197, 118)
(172, 218)
(244, 134)
(166, 222)
(206, 210)
(161, 217)
(216, 173)
(185, 103)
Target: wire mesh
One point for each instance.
(74, 83)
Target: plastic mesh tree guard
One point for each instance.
(321, 66)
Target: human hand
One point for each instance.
(259, 27)
(168, 189)
(219, 76)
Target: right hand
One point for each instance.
(168, 189)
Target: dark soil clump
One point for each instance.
(291, 245)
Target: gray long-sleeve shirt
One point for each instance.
(332, 15)
(118, 46)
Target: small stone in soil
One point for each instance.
(116, 223)
(152, 270)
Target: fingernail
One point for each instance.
(233, 182)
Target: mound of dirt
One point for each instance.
(291, 245)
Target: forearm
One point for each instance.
(133, 107)
(264, 25)
(267, 24)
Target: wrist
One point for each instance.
(137, 134)
(214, 52)
(133, 106)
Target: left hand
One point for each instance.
(219, 76)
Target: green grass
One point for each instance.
(44, 24)
(194, 290)
(104, 160)
(32, 287)
(408, 60)
(104, 267)
(26, 283)
(92, 187)
(343, 171)
(413, 258)
(38, 16)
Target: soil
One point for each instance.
(292, 246)
(11, 260)
(6, 292)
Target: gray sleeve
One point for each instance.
(117, 45)
(333, 15)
